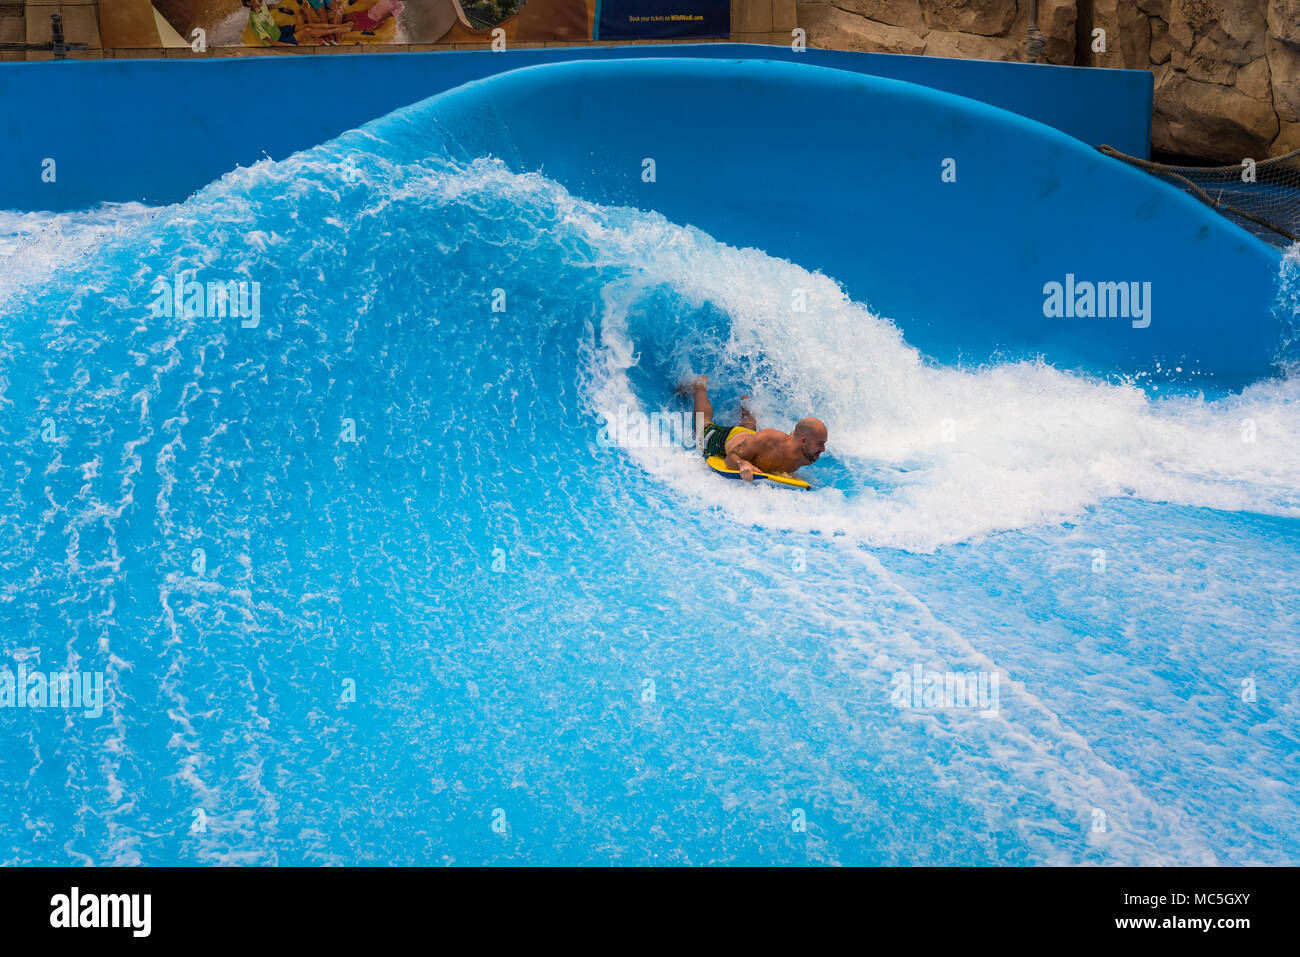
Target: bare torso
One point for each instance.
(770, 450)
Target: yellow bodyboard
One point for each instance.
(718, 465)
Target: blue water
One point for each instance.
(563, 652)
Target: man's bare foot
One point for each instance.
(691, 383)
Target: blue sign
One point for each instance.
(663, 19)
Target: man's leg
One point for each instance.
(703, 408)
(747, 419)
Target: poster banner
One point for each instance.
(204, 25)
(663, 20)
(207, 25)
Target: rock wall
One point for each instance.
(1227, 72)
(980, 29)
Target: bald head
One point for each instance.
(810, 434)
(811, 426)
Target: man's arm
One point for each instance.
(742, 455)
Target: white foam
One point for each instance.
(942, 454)
(34, 245)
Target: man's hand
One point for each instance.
(745, 467)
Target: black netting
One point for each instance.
(1263, 198)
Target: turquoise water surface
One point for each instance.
(367, 583)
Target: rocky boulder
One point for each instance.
(1227, 72)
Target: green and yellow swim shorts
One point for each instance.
(715, 438)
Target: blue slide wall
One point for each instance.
(758, 153)
(156, 130)
(836, 170)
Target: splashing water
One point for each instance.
(366, 586)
